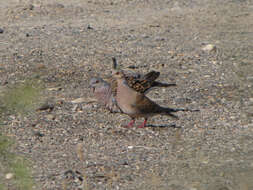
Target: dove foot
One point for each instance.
(143, 124)
(130, 124)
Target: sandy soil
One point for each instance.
(81, 145)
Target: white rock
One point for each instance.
(83, 100)
(55, 89)
(78, 100)
(9, 175)
(209, 47)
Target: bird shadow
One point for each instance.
(164, 126)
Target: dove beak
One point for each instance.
(92, 88)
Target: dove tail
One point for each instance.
(168, 111)
(159, 84)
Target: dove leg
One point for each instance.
(143, 124)
(131, 123)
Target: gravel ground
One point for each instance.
(79, 145)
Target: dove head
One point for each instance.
(96, 82)
(119, 75)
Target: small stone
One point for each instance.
(31, 7)
(75, 108)
(209, 48)
(1, 30)
(83, 100)
(89, 27)
(40, 67)
(9, 175)
(4, 82)
(38, 134)
(55, 89)
(50, 117)
(154, 25)
(46, 106)
(88, 106)
(145, 36)
(78, 100)
(132, 67)
(250, 78)
(232, 117)
(124, 162)
(205, 161)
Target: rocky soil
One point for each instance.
(204, 46)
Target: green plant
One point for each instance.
(11, 163)
(22, 97)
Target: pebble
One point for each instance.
(30, 7)
(88, 106)
(38, 134)
(9, 175)
(55, 89)
(4, 82)
(75, 108)
(89, 27)
(79, 100)
(50, 117)
(1, 30)
(46, 106)
(209, 48)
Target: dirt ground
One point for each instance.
(80, 145)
